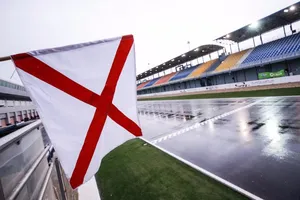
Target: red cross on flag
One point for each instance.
(86, 97)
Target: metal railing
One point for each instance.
(23, 181)
(27, 167)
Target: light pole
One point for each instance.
(188, 43)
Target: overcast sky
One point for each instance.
(161, 27)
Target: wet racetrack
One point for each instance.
(252, 142)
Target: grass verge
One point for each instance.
(135, 171)
(256, 93)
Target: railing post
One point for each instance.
(60, 182)
(1, 192)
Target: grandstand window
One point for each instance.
(220, 52)
(214, 55)
(234, 48)
(273, 35)
(168, 71)
(257, 40)
(199, 60)
(247, 44)
(206, 58)
(194, 62)
(296, 26)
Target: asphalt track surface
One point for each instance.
(253, 143)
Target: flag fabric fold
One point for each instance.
(85, 95)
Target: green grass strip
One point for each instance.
(135, 171)
(256, 93)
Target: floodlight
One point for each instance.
(254, 25)
(286, 10)
(227, 36)
(292, 8)
(183, 55)
(196, 49)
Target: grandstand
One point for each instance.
(10, 85)
(282, 53)
(275, 50)
(231, 61)
(183, 74)
(10, 90)
(201, 69)
(165, 79)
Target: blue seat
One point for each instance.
(274, 49)
(184, 73)
(152, 82)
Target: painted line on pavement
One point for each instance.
(207, 173)
(198, 124)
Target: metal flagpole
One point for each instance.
(6, 58)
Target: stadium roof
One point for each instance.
(281, 18)
(188, 56)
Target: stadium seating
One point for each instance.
(165, 79)
(231, 61)
(271, 50)
(184, 73)
(201, 69)
(150, 83)
(140, 86)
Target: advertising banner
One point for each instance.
(266, 75)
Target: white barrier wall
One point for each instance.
(286, 79)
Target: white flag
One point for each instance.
(85, 95)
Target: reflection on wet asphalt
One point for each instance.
(161, 117)
(257, 148)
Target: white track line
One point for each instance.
(196, 125)
(207, 173)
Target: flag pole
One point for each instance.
(6, 58)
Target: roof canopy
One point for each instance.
(188, 56)
(281, 18)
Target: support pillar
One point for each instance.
(16, 117)
(7, 118)
(256, 72)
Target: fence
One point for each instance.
(29, 168)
